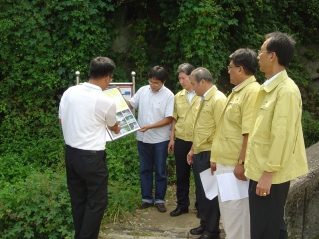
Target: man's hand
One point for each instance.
(115, 128)
(190, 157)
(213, 167)
(118, 129)
(171, 145)
(144, 128)
(264, 184)
(239, 172)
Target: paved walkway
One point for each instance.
(151, 224)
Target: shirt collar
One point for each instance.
(207, 91)
(276, 81)
(243, 84)
(193, 92)
(267, 82)
(238, 85)
(90, 85)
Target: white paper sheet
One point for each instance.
(209, 182)
(230, 188)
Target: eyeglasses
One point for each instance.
(261, 51)
(229, 67)
(154, 84)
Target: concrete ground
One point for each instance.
(151, 224)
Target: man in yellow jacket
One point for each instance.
(210, 109)
(276, 151)
(185, 108)
(230, 141)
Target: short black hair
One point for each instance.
(185, 68)
(246, 58)
(283, 45)
(159, 73)
(101, 66)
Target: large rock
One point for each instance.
(302, 206)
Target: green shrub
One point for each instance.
(38, 207)
(123, 160)
(310, 129)
(42, 44)
(123, 196)
(12, 170)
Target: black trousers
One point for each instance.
(183, 170)
(87, 178)
(267, 213)
(208, 209)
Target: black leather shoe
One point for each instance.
(198, 230)
(204, 236)
(178, 212)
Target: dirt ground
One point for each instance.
(149, 223)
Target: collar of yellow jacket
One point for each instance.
(246, 82)
(212, 91)
(272, 85)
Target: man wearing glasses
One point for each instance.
(276, 151)
(155, 105)
(230, 141)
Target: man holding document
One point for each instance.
(210, 108)
(230, 142)
(276, 152)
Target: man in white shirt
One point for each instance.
(84, 113)
(155, 105)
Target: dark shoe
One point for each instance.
(160, 207)
(178, 212)
(204, 236)
(198, 230)
(145, 205)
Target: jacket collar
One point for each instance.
(246, 82)
(211, 92)
(272, 85)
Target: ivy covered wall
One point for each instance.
(42, 44)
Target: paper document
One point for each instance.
(124, 115)
(209, 182)
(230, 188)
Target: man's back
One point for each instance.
(84, 111)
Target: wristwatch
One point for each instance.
(241, 161)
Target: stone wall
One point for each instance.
(302, 206)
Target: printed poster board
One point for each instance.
(124, 115)
(126, 90)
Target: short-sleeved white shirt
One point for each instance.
(153, 107)
(85, 112)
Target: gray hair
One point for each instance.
(201, 73)
(185, 68)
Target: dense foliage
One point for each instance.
(42, 44)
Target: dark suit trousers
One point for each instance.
(183, 169)
(267, 213)
(87, 178)
(208, 209)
